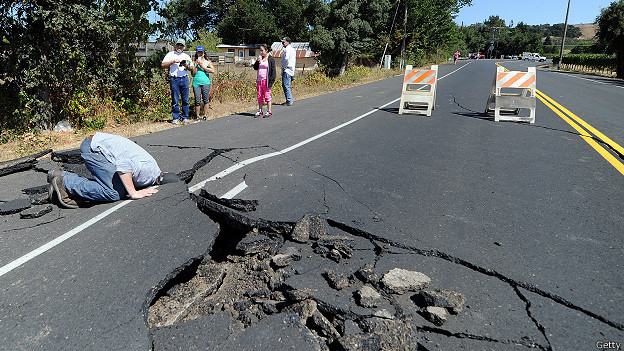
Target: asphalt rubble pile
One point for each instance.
(304, 283)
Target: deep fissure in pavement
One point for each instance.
(321, 270)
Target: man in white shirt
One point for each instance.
(289, 58)
(119, 167)
(178, 62)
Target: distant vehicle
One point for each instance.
(533, 56)
(515, 57)
(475, 55)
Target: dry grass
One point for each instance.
(31, 143)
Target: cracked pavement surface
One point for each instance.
(528, 233)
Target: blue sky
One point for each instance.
(532, 11)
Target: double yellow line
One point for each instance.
(585, 130)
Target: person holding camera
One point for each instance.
(178, 63)
(201, 69)
(265, 65)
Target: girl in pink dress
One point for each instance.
(265, 65)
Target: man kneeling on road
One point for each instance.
(119, 167)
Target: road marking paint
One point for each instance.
(249, 161)
(43, 248)
(235, 190)
(578, 124)
(590, 80)
(583, 133)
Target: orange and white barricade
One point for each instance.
(419, 90)
(511, 92)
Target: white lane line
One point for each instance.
(43, 248)
(590, 80)
(235, 190)
(38, 251)
(283, 151)
(249, 161)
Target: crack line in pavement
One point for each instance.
(539, 326)
(243, 223)
(489, 272)
(37, 225)
(481, 338)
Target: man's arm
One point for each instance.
(126, 179)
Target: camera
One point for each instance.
(183, 63)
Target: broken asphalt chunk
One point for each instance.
(309, 227)
(449, 299)
(435, 315)
(21, 164)
(14, 206)
(36, 212)
(288, 256)
(253, 243)
(368, 297)
(336, 280)
(236, 204)
(400, 281)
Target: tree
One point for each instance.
(242, 21)
(351, 28)
(56, 53)
(611, 32)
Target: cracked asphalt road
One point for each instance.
(524, 220)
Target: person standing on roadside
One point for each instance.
(178, 63)
(265, 65)
(289, 57)
(455, 57)
(201, 69)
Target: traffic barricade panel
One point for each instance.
(419, 90)
(513, 92)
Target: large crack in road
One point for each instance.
(315, 281)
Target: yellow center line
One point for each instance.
(578, 124)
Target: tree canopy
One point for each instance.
(54, 52)
(611, 32)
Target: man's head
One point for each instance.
(180, 45)
(166, 177)
(285, 41)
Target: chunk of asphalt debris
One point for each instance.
(400, 281)
(21, 164)
(309, 227)
(383, 313)
(336, 281)
(335, 248)
(254, 243)
(38, 195)
(368, 297)
(449, 299)
(435, 315)
(367, 274)
(236, 204)
(36, 212)
(288, 256)
(14, 206)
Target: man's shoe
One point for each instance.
(175, 122)
(62, 195)
(185, 121)
(288, 104)
(53, 174)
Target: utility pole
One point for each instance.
(404, 35)
(565, 32)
